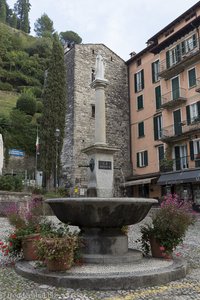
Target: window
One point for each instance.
(161, 154)
(180, 155)
(158, 97)
(140, 129)
(139, 81)
(193, 112)
(142, 159)
(157, 127)
(191, 78)
(140, 103)
(189, 44)
(155, 68)
(93, 111)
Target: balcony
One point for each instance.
(173, 98)
(178, 61)
(180, 131)
(176, 164)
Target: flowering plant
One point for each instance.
(169, 225)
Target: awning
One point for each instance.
(179, 177)
(139, 181)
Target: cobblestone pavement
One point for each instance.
(14, 287)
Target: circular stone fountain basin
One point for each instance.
(101, 212)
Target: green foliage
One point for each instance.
(5, 86)
(27, 103)
(54, 100)
(44, 26)
(3, 11)
(169, 224)
(68, 37)
(22, 8)
(39, 107)
(11, 183)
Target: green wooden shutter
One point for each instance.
(155, 124)
(188, 114)
(161, 153)
(194, 40)
(183, 48)
(141, 129)
(138, 160)
(142, 77)
(191, 150)
(145, 158)
(198, 109)
(192, 77)
(167, 60)
(158, 97)
(140, 102)
(153, 72)
(135, 82)
(178, 52)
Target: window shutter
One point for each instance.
(155, 128)
(178, 52)
(161, 152)
(191, 150)
(158, 97)
(167, 60)
(141, 129)
(140, 102)
(198, 109)
(153, 72)
(145, 158)
(142, 77)
(138, 160)
(194, 40)
(183, 48)
(192, 77)
(135, 82)
(188, 114)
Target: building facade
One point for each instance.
(80, 114)
(164, 83)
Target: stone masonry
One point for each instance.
(79, 129)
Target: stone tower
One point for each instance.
(80, 115)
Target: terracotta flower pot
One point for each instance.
(156, 250)
(28, 246)
(61, 264)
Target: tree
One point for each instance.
(44, 26)
(3, 11)
(22, 8)
(54, 101)
(27, 103)
(69, 37)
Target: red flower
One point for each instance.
(162, 248)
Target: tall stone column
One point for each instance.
(100, 112)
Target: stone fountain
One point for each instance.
(100, 218)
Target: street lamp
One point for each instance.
(57, 134)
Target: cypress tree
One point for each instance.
(22, 8)
(3, 11)
(54, 101)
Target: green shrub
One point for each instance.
(27, 103)
(39, 107)
(5, 86)
(10, 183)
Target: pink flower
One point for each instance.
(178, 254)
(162, 248)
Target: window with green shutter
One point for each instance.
(140, 129)
(140, 103)
(158, 97)
(155, 68)
(139, 81)
(157, 122)
(192, 77)
(142, 159)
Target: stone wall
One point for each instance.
(80, 61)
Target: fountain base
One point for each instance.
(148, 272)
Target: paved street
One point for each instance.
(14, 287)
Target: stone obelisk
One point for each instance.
(100, 154)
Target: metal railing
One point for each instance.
(183, 54)
(174, 95)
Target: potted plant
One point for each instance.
(26, 222)
(169, 225)
(56, 247)
(166, 165)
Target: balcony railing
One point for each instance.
(176, 164)
(179, 60)
(179, 131)
(173, 98)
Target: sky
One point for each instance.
(122, 25)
